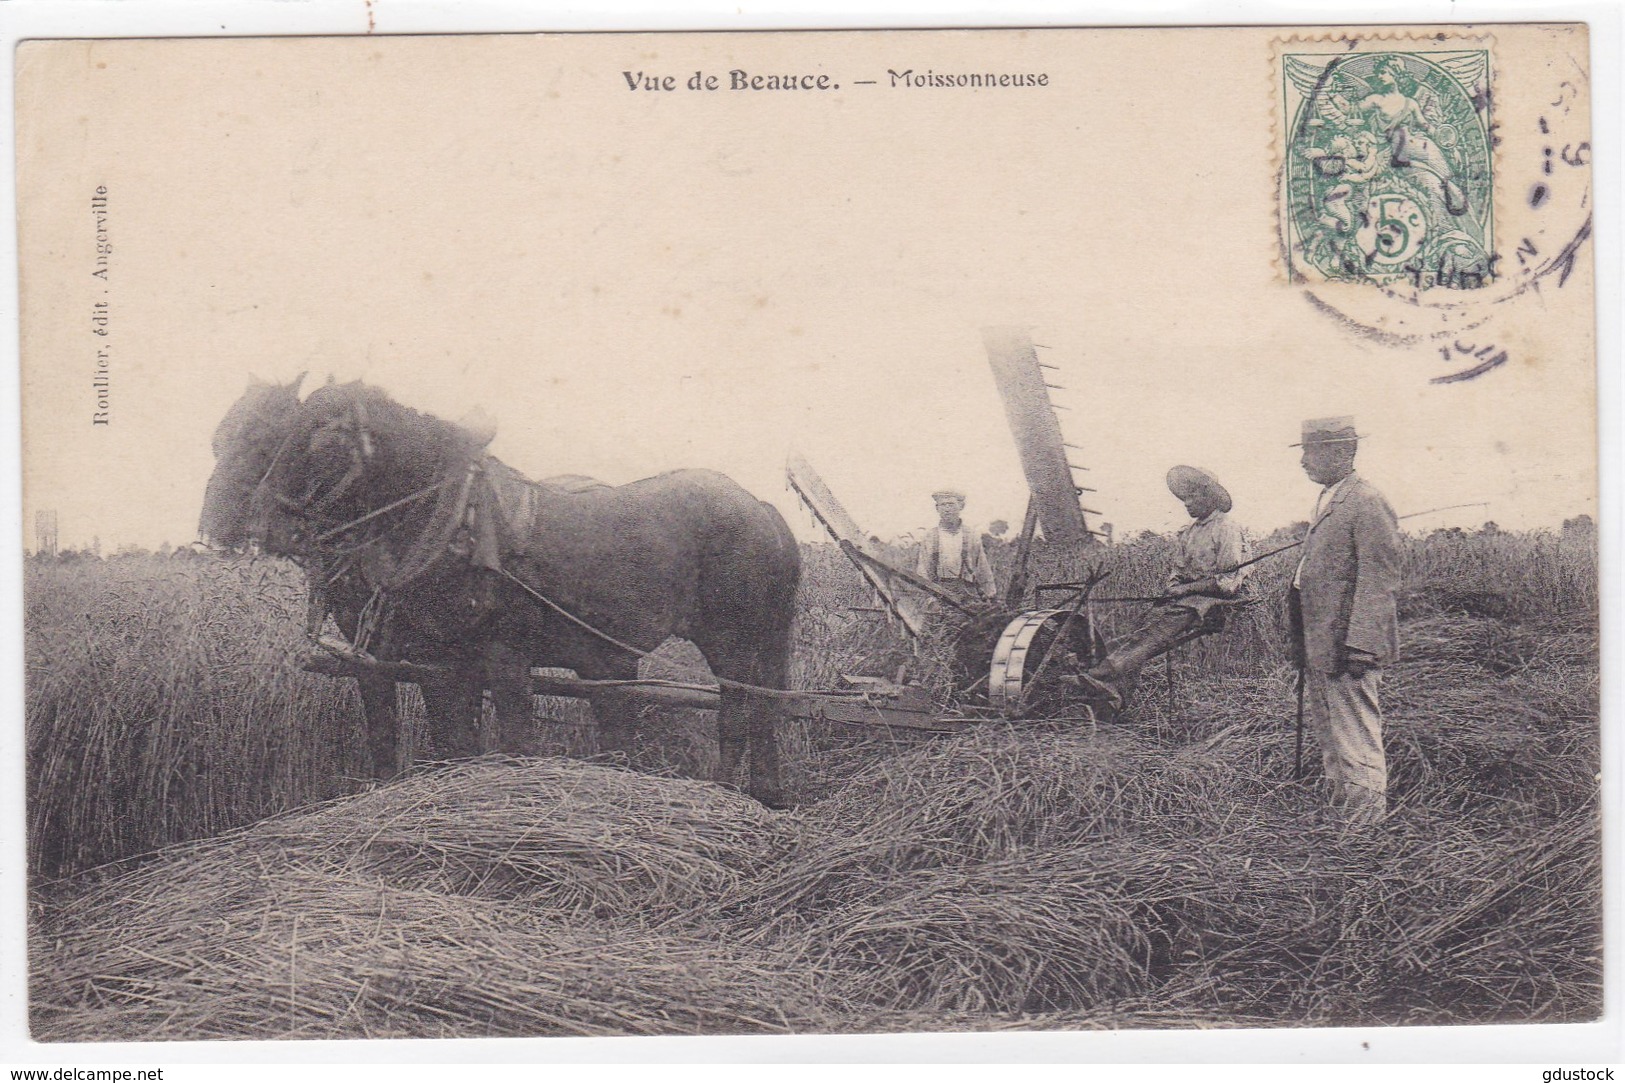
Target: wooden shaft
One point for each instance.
(1017, 588)
(667, 693)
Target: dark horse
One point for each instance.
(427, 550)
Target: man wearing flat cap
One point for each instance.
(1343, 615)
(1205, 575)
(951, 555)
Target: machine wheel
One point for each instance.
(1022, 684)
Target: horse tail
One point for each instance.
(780, 606)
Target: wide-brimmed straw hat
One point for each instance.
(1187, 481)
(1328, 430)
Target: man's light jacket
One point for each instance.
(1350, 571)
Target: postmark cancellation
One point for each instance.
(1386, 152)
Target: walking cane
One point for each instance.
(1297, 748)
(1300, 655)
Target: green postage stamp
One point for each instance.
(1387, 164)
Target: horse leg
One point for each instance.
(748, 597)
(615, 720)
(383, 726)
(746, 723)
(766, 783)
(758, 655)
(733, 733)
(454, 706)
(507, 674)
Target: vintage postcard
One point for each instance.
(536, 535)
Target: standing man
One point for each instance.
(1343, 617)
(951, 555)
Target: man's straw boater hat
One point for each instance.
(1185, 481)
(947, 494)
(1328, 430)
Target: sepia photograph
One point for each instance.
(542, 535)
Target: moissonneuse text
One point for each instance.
(975, 79)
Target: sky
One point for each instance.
(635, 281)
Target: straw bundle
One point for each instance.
(980, 796)
(1022, 934)
(459, 902)
(589, 840)
(284, 951)
(999, 787)
(1423, 921)
(1289, 922)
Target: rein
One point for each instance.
(310, 509)
(327, 558)
(722, 682)
(374, 613)
(401, 503)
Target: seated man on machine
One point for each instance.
(1205, 580)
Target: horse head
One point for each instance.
(350, 453)
(246, 444)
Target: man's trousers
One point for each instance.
(1347, 721)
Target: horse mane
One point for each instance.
(419, 447)
(256, 422)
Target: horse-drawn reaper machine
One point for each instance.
(433, 563)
